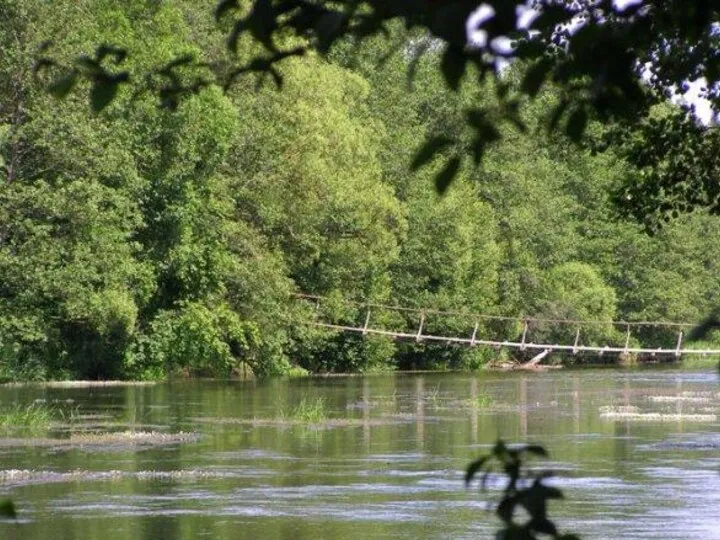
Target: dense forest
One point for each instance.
(143, 241)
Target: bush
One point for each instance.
(195, 338)
(575, 291)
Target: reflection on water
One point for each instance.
(387, 464)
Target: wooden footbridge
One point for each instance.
(518, 333)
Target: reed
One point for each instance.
(308, 411)
(35, 418)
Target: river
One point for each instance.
(636, 452)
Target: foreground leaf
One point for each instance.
(7, 509)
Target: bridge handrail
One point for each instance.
(483, 316)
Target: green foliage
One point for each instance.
(329, 352)
(193, 337)
(594, 66)
(141, 241)
(576, 291)
(34, 418)
(675, 166)
(7, 509)
(308, 411)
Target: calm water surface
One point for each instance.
(391, 469)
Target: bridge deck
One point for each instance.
(519, 345)
(523, 344)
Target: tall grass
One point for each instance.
(310, 411)
(483, 401)
(33, 418)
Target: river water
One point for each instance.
(637, 454)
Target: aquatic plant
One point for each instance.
(483, 401)
(634, 414)
(310, 411)
(525, 490)
(432, 396)
(35, 417)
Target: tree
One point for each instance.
(138, 240)
(610, 61)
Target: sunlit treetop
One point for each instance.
(608, 60)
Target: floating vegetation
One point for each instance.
(679, 399)
(132, 437)
(109, 440)
(432, 397)
(77, 384)
(703, 442)
(634, 414)
(328, 423)
(482, 401)
(31, 476)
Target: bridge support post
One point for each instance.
(679, 344)
(367, 321)
(418, 337)
(627, 340)
(472, 339)
(522, 342)
(577, 340)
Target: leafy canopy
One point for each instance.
(610, 60)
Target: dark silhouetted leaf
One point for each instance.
(262, 23)
(473, 468)
(486, 132)
(535, 77)
(104, 51)
(180, 61)
(536, 449)
(277, 77)
(239, 27)
(477, 118)
(552, 493)
(7, 509)
(576, 124)
(557, 113)
(552, 15)
(62, 86)
(506, 509)
(478, 150)
(102, 93)
(710, 323)
(43, 63)
(445, 177)
(500, 451)
(543, 525)
(429, 150)
(223, 7)
(90, 65)
(453, 66)
(328, 29)
(45, 45)
(514, 532)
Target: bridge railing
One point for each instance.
(524, 333)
